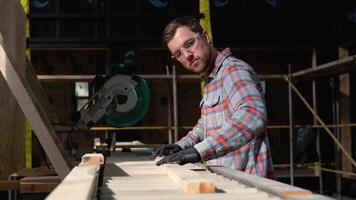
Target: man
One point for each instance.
(232, 128)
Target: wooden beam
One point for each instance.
(207, 196)
(340, 66)
(23, 86)
(80, 184)
(35, 114)
(37, 91)
(9, 185)
(41, 184)
(279, 189)
(12, 120)
(37, 187)
(12, 29)
(345, 114)
(33, 172)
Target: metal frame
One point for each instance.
(332, 69)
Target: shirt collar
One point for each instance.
(218, 62)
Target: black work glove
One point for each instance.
(166, 150)
(190, 155)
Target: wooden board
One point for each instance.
(25, 87)
(27, 90)
(80, 184)
(38, 93)
(279, 189)
(37, 187)
(35, 114)
(134, 175)
(345, 115)
(9, 185)
(12, 27)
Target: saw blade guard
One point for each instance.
(132, 99)
(122, 100)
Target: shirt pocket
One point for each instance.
(209, 101)
(213, 112)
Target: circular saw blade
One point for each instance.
(133, 116)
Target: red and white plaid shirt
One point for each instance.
(232, 128)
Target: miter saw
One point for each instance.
(122, 99)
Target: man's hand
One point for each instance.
(190, 155)
(166, 150)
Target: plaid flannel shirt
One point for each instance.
(232, 128)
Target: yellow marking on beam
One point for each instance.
(204, 8)
(28, 130)
(28, 54)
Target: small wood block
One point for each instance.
(190, 181)
(197, 186)
(92, 159)
(287, 194)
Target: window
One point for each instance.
(81, 93)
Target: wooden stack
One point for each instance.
(134, 176)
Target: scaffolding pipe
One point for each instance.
(334, 84)
(170, 139)
(290, 106)
(175, 107)
(342, 148)
(315, 122)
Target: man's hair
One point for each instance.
(171, 28)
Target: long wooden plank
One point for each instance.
(37, 187)
(12, 120)
(80, 184)
(12, 29)
(142, 179)
(9, 185)
(205, 196)
(282, 190)
(36, 90)
(340, 66)
(35, 115)
(20, 78)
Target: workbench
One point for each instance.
(133, 175)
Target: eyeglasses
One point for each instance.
(190, 45)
